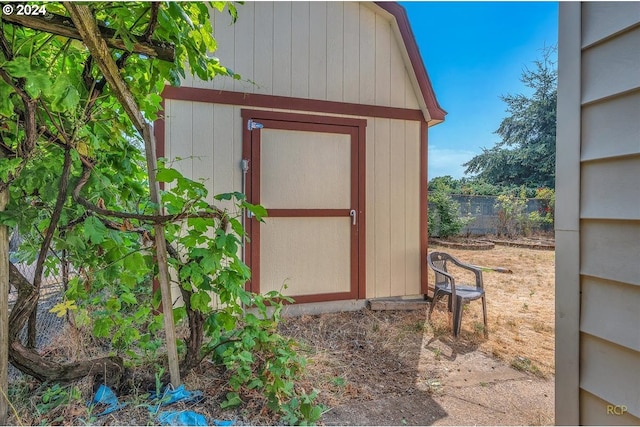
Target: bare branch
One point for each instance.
(153, 21)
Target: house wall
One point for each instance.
(598, 214)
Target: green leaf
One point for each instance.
(18, 67)
(128, 298)
(65, 96)
(94, 230)
(200, 301)
(37, 82)
(8, 166)
(167, 175)
(134, 262)
(102, 327)
(233, 400)
(6, 106)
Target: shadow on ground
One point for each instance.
(367, 363)
(388, 368)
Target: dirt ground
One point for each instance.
(394, 368)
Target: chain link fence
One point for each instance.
(48, 325)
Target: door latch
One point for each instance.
(251, 125)
(353, 215)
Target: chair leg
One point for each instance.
(484, 315)
(457, 317)
(434, 300)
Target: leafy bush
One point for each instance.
(545, 216)
(512, 219)
(443, 216)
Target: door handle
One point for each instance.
(353, 215)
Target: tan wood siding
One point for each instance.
(351, 75)
(611, 68)
(600, 43)
(601, 20)
(300, 34)
(611, 325)
(335, 51)
(210, 139)
(598, 412)
(393, 208)
(318, 50)
(282, 48)
(412, 184)
(611, 195)
(615, 120)
(332, 51)
(263, 47)
(243, 31)
(207, 139)
(610, 250)
(610, 372)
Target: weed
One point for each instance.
(57, 395)
(437, 353)
(478, 327)
(301, 410)
(338, 381)
(414, 327)
(433, 386)
(524, 364)
(541, 327)
(483, 384)
(525, 306)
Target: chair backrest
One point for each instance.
(439, 261)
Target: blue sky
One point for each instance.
(474, 53)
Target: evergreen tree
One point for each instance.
(526, 154)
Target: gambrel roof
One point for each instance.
(413, 60)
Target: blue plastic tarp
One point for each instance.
(181, 418)
(106, 396)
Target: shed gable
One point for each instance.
(348, 52)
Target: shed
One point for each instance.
(598, 215)
(330, 121)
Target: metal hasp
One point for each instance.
(353, 215)
(251, 125)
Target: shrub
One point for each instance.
(443, 217)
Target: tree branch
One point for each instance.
(153, 219)
(62, 26)
(153, 21)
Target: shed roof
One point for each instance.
(430, 106)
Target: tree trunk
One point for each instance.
(110, 369)
(196, 334)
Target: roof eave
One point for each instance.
(435, 112)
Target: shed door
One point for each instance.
(307, 177)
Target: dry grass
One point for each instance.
(353, 356)
(521, 306)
